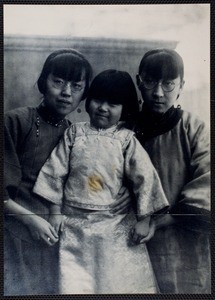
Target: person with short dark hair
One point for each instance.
(178, 144)
(101, 252)
(31, 133)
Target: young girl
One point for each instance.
(31, 133)
(101, 252)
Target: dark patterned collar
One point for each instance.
(151, 125)
(48, 117)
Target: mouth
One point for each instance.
(63, 101)
(101, 116)
(158, 103)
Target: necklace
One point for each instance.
(48, 117)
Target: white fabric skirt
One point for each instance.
(97, 256)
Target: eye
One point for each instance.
(150, 81)
(113, 105)
(147, 79)
(96, 100)
(77, 86)
(58, 81)
(168, 83)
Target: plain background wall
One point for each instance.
(24, 58)
(110, 36)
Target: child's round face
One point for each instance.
(63, 97)
(157, 98)
(104, 114)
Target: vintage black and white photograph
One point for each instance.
(107, 149)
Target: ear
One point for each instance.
(181, 88)
(138, 81)
(182, 85)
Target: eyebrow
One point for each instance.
(58, 76)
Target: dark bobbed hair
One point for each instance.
(68, 64)
(162, 63)
(116, 87)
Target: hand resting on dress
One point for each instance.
(40, 229)
(141, 230)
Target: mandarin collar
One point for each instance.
(108, 130)
(48, 117)
(150, 124)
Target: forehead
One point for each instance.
(161, 66)
(68, 67)
(105, 100)
(81, 78)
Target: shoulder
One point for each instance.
(190, 118)
(193, 123)
(78, 127)
(196, 130)
(19, 122)
(75, 130)
(20, 118)
(124, 134)
(22, 113)
(124, 130)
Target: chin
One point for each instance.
(63, 113)
(100, 125)
(157, 111)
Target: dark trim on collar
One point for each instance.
(150, 125)
(48, 117)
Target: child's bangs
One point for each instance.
(68, 67)
(109, 90)
(107, 95)
(162, 66)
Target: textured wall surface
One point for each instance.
(24, 58)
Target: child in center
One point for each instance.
(101, 253)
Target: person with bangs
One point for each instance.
(31, 133)
(101, 252)
(178, 144)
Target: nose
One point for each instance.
(103, 106)
(158, 91)
(66, 90)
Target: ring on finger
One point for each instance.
(48, 239)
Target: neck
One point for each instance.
(49, 113)
(48, 116)
(150, 124)
(155, 115)
(102, 128)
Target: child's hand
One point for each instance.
(152, 229)
(41, 230)
(141, 230)
(57, 221)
